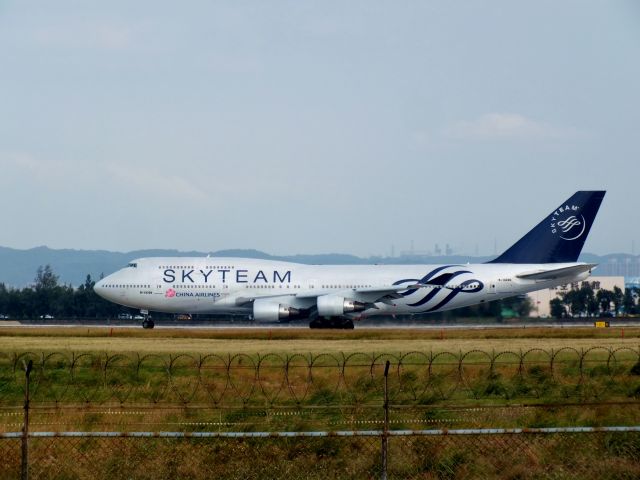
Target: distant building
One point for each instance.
(619, 265)
(541, 298)
(633, 282)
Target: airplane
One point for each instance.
(334, 296)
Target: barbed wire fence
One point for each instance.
(272, 379)
(411, 415)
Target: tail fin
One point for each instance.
(559, 238)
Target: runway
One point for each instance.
(211, 325)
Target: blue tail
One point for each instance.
(559, 238)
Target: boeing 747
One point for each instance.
(334, 296)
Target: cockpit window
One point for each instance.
(133, 265)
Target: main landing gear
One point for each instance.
(333, 322)
(147, 322)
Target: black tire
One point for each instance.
(147, 324)
(334, 323)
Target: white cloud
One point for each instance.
(35, 167)
(112, 37)
(21, 160)
(99, 36)
(56, 174)
(496, 126)
(152, 182)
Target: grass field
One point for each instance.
(284, 340)
(125, 379)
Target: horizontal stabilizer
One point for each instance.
(558, 272)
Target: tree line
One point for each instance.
(585, 301)
(47, 297)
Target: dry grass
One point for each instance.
(296, 340)
(145, 395)
(526, 456)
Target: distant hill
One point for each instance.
(18, 267)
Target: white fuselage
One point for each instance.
(200, 285)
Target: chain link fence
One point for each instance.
(461, 454)
(414, 415)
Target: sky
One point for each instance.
(315, 126)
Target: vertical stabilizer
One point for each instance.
(559, 238)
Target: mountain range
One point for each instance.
(18, 267)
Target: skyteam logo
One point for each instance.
(442, 292)
(568, 223)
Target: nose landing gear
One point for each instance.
(147, 322)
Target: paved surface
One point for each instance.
(207, 324)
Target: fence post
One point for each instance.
(385, 432)
(24, 467)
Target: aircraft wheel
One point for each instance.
(148, 324)
(348, 325)
(337, 323)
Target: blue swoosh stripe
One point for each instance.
(456, 291)
(427, 297)
(424, 279)
(432, 293)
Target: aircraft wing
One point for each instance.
(368, 294)
(389, 289)
(558, 272)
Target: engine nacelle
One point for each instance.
(335, 306)
(270, 311)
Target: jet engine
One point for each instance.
(335, 306)
(270, 311)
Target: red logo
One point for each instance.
(170, 293)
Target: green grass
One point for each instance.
(298, 380)
(173, 379)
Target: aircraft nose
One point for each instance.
(99, 288)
